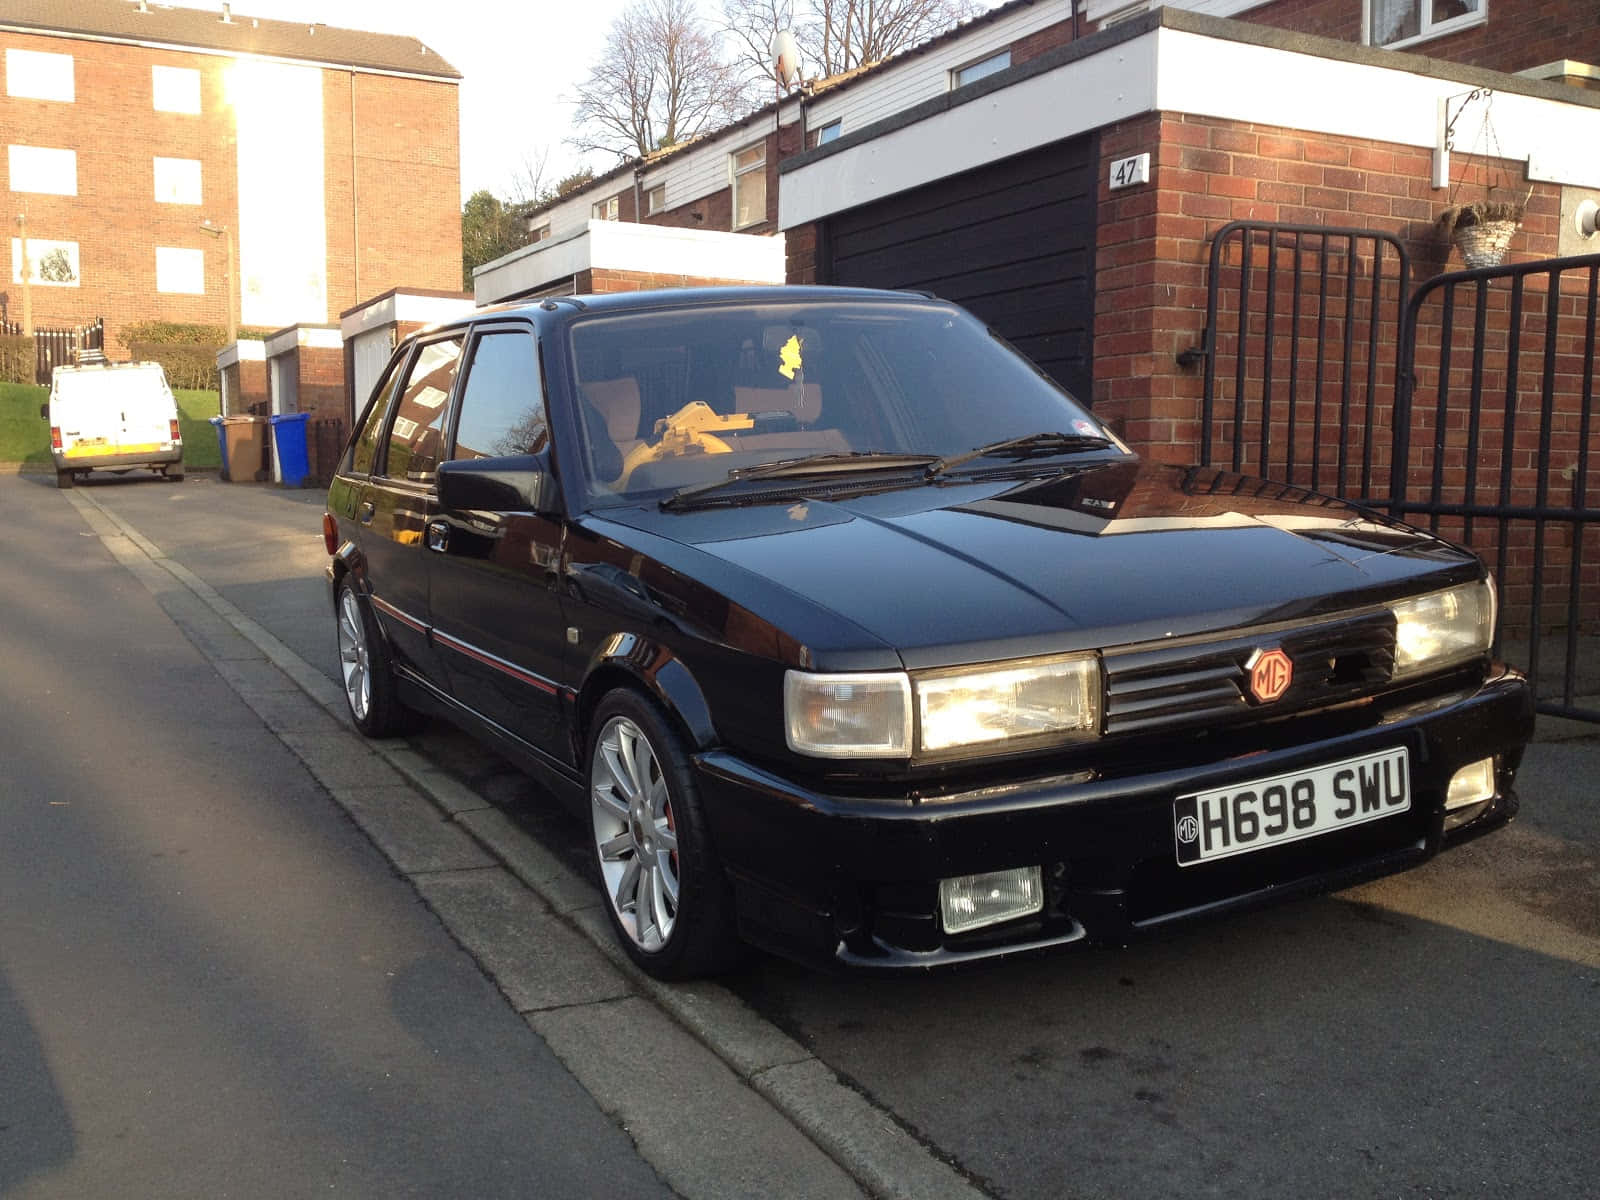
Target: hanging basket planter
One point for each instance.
(1482, 231)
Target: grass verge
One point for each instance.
(24, 438)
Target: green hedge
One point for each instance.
(179, 333)
(18, 359)
(187, 366)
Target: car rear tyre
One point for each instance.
(367, 673)
(174, 474)
(63, 479)
(666, 894)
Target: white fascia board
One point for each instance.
(533, 266)
(313, 337)
(632, 246)
(670, 250)
(1111, 86)
(1211, 77)
(402, 306)
(248, 350)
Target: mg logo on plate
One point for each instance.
(1270, 673)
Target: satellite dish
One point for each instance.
(785, 58)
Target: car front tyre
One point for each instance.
(366, 671)
(666, 894)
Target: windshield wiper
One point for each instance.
(1030, 446)
(831, 463)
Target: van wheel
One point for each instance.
(367, 674)
(63, 479)
(666, 894)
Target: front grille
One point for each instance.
(1158, 687)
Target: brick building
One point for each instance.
(325, 161)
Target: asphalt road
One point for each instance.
(211, 983)
(1435, 1034)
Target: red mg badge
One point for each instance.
(1270, 673)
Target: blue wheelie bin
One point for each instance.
(222, 444)
(289, 438)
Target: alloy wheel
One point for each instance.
(635, 834)
(353, 655)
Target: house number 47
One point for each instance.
(1125, 172)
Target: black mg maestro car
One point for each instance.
(855, 637)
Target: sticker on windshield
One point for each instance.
(1087, 428)
(789, 356)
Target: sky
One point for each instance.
(521, 61)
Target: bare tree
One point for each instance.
(839, 35)
(527, 177)
(663, 77)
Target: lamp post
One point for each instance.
(27, 277)
(226, 232)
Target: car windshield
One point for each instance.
(679, 398)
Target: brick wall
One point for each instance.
(1517, 34)
(405, 174)
(1040, 40)
(1152, 267)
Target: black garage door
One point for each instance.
(1012, 241)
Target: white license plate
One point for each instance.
(1258, 813)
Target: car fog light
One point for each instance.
(1472, 784)
(973, 901)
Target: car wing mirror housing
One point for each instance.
(44, 411)
(517, 483)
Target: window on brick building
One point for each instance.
(655, 200)
(177, 180)
(36, 75)
(175, 89)
(54, 264)
(830, 132)
(975, 71)
(1402, 22)
(748, 168)
(606, 210)
(540, 234)
(180, 271)
(38, 169)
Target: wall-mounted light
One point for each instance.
(1586, 217)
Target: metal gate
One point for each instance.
(1494, 440)
(58, 347)
(1467, 406)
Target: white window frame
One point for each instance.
(980, 68)
(539, 233)
(178, 180)
(655, 200)
(830, 132)
(40, 75)
(38, 248)
(175, 89)
(607, 209)
(1428, 28)
(180, 271)
(736, 172)
(43, 170)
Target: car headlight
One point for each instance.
(1443, 628)
(868, 715)
(1039, 698)
(848, 716)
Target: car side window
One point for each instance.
(502, 400)
(417, 437)
(365, 448)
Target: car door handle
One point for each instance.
(367, 511)
(438, 536)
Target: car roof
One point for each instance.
(665, 299)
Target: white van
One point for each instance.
(112, 417)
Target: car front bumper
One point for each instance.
(854, 879)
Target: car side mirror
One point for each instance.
(44, 411)
(517, 483)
